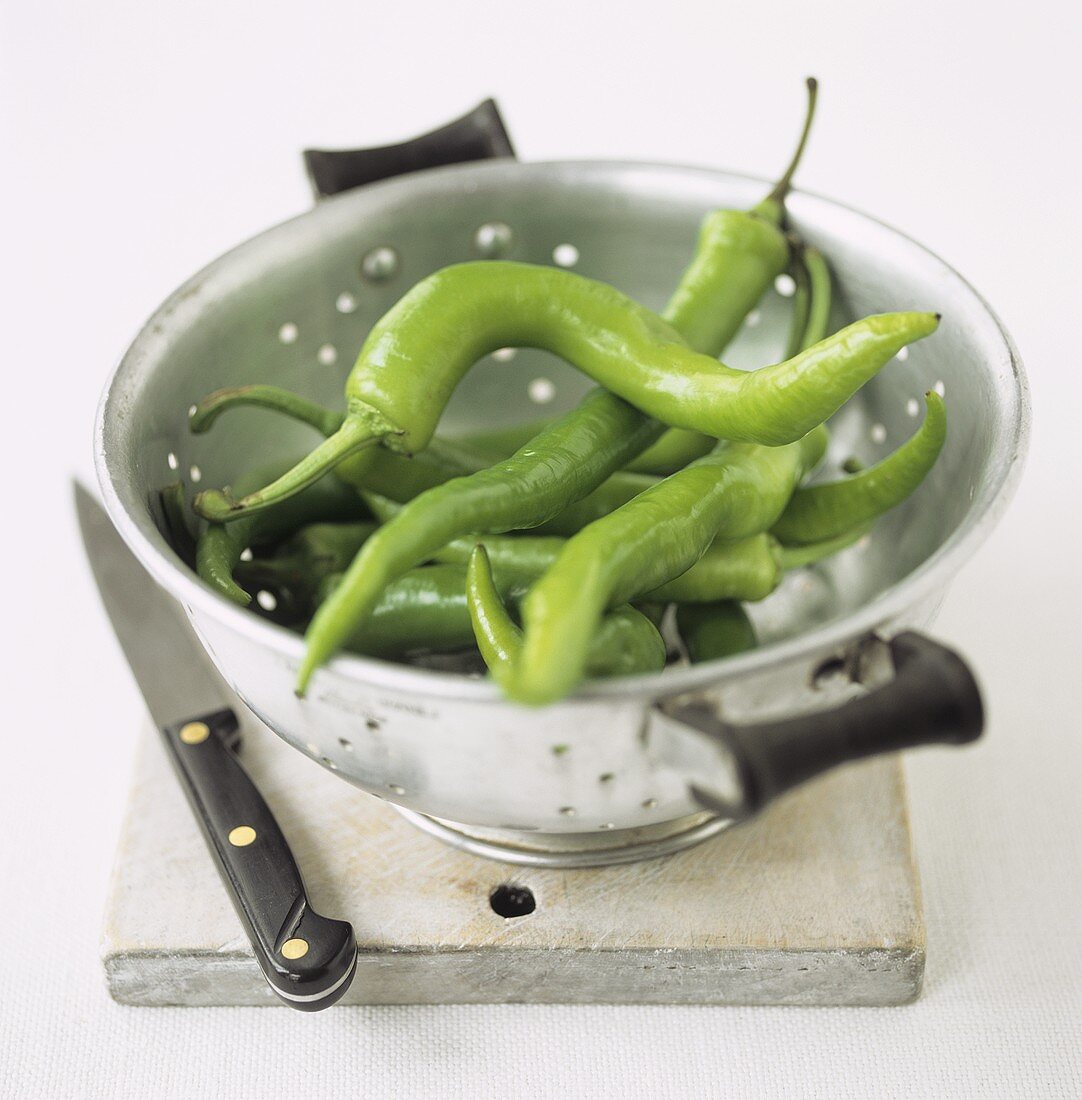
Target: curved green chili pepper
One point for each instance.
(626, 641)
(458, 314)
(820, 512)
(736, 491)
(220, 546)
(712, 631)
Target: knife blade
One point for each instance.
(309, 960)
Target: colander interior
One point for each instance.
(292, 307)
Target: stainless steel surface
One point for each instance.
(449, 746)
(572, 850)
(163, 652)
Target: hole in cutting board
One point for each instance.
(509, 901)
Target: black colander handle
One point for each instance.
(478, 135)
(932, 699)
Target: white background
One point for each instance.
(141, 139)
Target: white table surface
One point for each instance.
(139, 140)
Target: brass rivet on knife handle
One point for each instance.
(241, 836)
(294, 949)
(194, 733)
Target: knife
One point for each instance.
(308, 960)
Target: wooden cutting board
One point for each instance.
(815, 903)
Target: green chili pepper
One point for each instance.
(811, 301)
(616, 490)
(736, 491)
(740, 254)
(423, 610)
(747, 569)
(300, 564)
(458, 314)
(501, 442)
(175, 519)
(712, 631)
(426, 610)
(672, 452)
(220, 546)
(820, 512)
(626, 641)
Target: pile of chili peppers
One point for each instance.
(554, 550)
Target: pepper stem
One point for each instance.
(325, 421)
(795, 557)
(785, 181)
(354, 435)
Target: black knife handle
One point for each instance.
(933, 699)
(477, 135)
(309, 960)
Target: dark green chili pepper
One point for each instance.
(747, 569)
(712, 631)
(626, 641)
(220, 546)
(300, 564)
(426, 611)
(423, 610)
(820, 512)
(175, 519)
(811, 301)
(736, 491)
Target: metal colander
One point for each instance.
(609, 774)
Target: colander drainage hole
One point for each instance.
(565, 255)
(510, 901)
